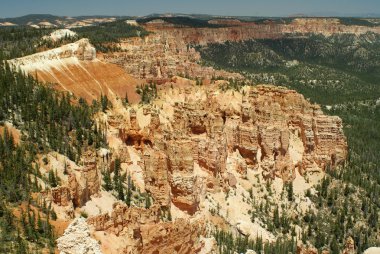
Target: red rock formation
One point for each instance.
(124, 217)
(86, 181)
(178, 237)
(161, 56)
(306, 250)
(250, 30)
(83, 182)
(156, 176)
(75, 68)
(145, 231)
(272, 128)
(61, 195)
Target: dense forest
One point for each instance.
(105, 35)
(328, 70)
(341, 72)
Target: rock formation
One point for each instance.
(178, 237)
(306, 250)
(61, 195)
(82, 182)
(77, 239)
(273, 129)
(146, 232)
(194, 141)
(372, 250)
(60, 34)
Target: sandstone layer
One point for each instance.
(75, 68)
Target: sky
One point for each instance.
(15, 8)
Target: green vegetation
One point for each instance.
(16, 186)
(20, 41)
(328, 70)
(229, 244)
(357, 22)
(105, 35)
(122, 186)
(49, 118)
(34, 18)
(148, 92)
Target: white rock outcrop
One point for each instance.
(60, 34)
(372, 250)
(57, 58)
(77, 239)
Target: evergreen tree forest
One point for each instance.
(105, 35)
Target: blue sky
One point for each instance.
(13, 8)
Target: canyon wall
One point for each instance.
(273, 129)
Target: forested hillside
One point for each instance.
(20, 41)
(49, 121)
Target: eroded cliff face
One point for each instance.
(144, 231)
(250, 30)
(160, 56)
(273, 129)
(75, 68)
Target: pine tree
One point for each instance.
(334, 246)
(276, 217)
(148, 203)
(107, 180)
(290, 191)
(126, 101)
